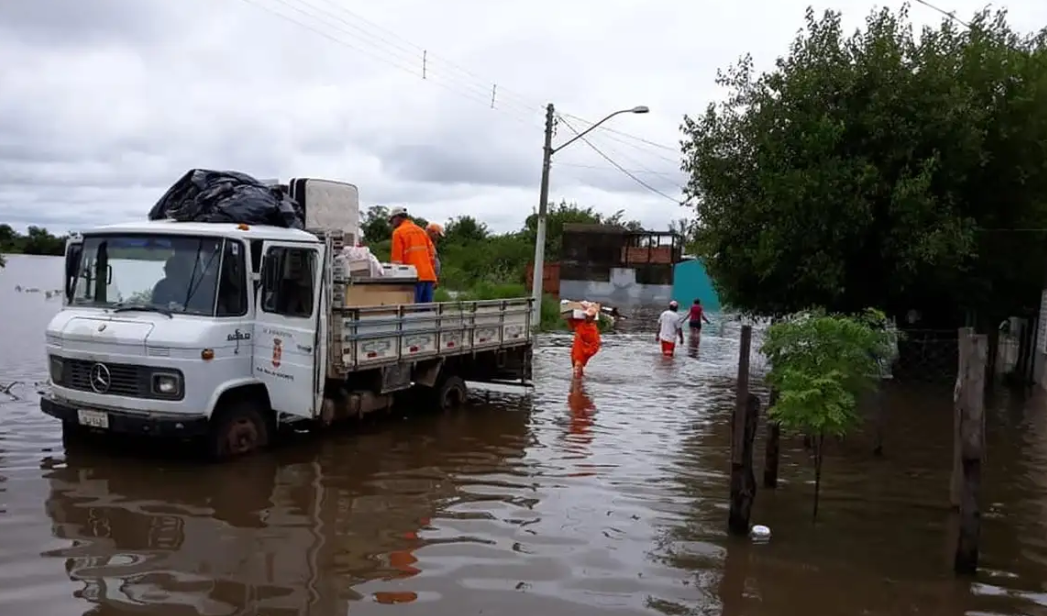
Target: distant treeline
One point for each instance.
(36, 241)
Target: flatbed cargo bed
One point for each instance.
(376, 336)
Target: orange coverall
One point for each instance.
(412, 246)
(586, 342)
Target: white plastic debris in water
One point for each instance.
(760, 533)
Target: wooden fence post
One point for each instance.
(956, 482)
(772, 448)
(741, 394)
(972, 444)
(741, 502)
(743, 479)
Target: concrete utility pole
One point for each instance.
(538, 275)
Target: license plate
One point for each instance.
(93, 419)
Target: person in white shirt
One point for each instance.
(670, 329)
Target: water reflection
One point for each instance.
(608, 497)
(580, 432)
(292, 533)
(882, 540)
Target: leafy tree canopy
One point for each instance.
(36, 241)
(879, 168)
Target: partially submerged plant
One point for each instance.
(820, 365)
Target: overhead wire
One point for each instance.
(614, 163)
(416, 61)
(605, 168)
(626, 135)
(419, 62)
(500, 93)
(397, 61)
(950, 14)
(621, 155)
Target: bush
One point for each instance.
(820, 365)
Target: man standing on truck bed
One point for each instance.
(412, 246)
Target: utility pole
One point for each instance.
(537, 276)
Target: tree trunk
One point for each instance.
(819, 448)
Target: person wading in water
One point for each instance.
(670, 327)
(586, 340)
(695, 317)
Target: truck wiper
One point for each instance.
(163, 311)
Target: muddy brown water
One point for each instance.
(610, 499)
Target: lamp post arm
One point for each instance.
(588, 130)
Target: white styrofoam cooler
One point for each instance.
(397, 270)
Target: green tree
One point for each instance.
(881, 168)
(820, 366)
(37, 241)
(465, 230)
(375, 226)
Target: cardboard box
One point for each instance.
(570, 309)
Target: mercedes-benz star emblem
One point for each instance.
(101, 380)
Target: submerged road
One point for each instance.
(610, 498)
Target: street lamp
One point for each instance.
(548, 150)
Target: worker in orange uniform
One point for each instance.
(586, 339)
(435, 231)
(411, 246)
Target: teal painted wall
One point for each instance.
(690, 281)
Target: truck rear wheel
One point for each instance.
(238, 430)
(451, 393)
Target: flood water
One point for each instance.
(607, 499)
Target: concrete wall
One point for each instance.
(621, 291)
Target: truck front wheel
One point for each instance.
(237, 430)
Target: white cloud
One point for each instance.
(103, 104)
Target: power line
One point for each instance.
(501, 92)
(630, 159)
(419, 62)
(617, 166)
(616, 170)
(627, 135)
(950, 14)
(430, 63)
(398, 62)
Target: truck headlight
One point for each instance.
(56, 365)
(167, 384)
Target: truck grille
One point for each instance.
(125, 380)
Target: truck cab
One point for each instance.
(225, 332)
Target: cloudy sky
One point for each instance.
(104, 103)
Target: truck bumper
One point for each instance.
(122, 422)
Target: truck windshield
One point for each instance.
(166, 273)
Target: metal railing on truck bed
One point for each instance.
(372, 336)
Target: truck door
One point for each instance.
(287, 323)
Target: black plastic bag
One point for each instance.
(203, 195)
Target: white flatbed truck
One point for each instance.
(225, 332)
